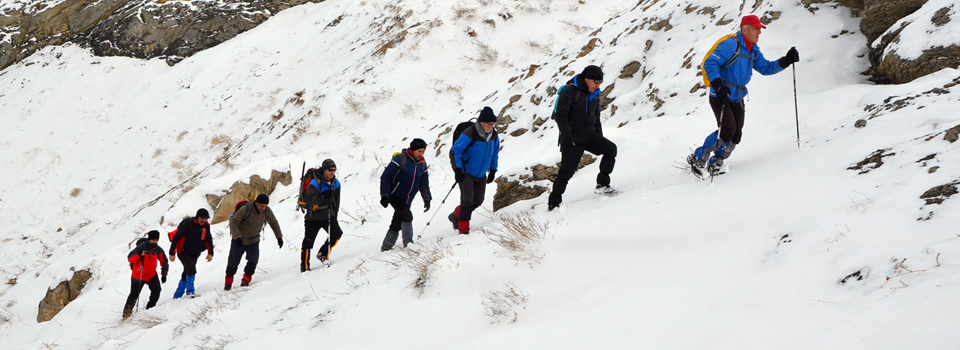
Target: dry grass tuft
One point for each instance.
(519, 235)
(75, 192)
(502, 304)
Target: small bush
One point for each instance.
(501, 305)
(519, 235)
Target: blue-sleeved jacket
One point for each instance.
(577, 112)
(412, 178)
(479, 158)
(323, 200)
(739, 73)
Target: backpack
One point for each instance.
(310, 175)
(576, 96)
(736, 54)
(403, 162)
(459, 129)
(237, 207)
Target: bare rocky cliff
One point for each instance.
(171, 29)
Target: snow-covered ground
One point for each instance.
(96, 151)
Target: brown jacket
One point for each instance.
(249, 229)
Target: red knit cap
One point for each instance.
(753, 21)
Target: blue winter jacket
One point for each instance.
(739, 73)
(479, 158)
(413, 178)
(323, 199)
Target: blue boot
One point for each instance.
(180, 288)
(190, 288)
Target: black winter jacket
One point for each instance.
(578, 113)
(323, 200)
(191, 238)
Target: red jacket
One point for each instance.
(145, 266)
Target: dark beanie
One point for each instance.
(487, 116)
(417, 144)
(592, 72)
(263, 199)
(328, 164)
(153, 234)
(203, 213)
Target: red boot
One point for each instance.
(245, 281)
(464, 227)
(228, 283)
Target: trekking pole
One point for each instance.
(438, 210)
(140, 281)
(796, 113)
(303, 170)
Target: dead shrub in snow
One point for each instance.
(486, 55)
(422, 260)
(213, 343)
(502, 304)
(75, 192)
(221, 140)
(460, 11)
(519, 235)
(358, 103)
(147, 320)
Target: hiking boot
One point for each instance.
(453, 220)
(127, 313)
(693, 162)
(551, 207)
(227, 287)
(605, 190)
(245, 281)
(715, 165)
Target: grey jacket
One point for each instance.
(249, 228)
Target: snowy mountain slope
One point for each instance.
(752, 261)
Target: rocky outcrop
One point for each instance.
(223, 205)
(61, 295)
(134, 28)
(514, 188)
(890, 61)
(879, 15)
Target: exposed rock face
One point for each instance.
(61, 295)
(512, 191)
(223, 205)
(134, 28)
(889, 63)
(880, 15)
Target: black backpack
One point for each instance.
(459, 129)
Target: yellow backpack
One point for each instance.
(703, 71)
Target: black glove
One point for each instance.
(723, 92)
(791, 57)
(384, 200)
(458, 175)
(280, 242)
(426, 205)
(163, 279)
(491, 176)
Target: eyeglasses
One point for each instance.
(597, 81)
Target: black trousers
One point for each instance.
(401, 213)
(310, 231)
(729, 119)
(189, 263)
(472, 191)
(237, 250)
(136, 286)
(570, 156)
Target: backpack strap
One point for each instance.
(402, 164)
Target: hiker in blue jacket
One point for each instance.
(401, 180)
(729, 69)
(475, 156)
